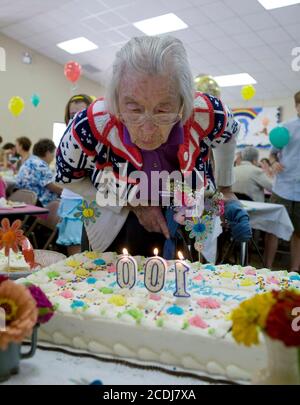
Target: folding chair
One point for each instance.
(25, 196)
(50, 223)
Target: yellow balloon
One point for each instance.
(16, 105)
(248, 92)
(207, 84)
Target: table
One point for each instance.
(267, 217)
(27, 210)
(63, 368)
(271, 218)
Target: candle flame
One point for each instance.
(180, 255)
(156, 251)
(125, 252)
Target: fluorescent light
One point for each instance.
(270, 4)
(161, 24)
(239, 79)
(77, 45)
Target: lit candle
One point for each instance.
(126, 270)
(181, 270)
(155, 273)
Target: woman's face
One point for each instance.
(75, 107)
(140, 93)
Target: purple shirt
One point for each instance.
(162, 158)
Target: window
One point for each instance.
(58, 131)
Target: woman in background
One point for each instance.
(70, 227)
(23, 145)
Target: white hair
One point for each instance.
(250, 154)
(154, 56)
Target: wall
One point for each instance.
(44, 77)
(287, 105)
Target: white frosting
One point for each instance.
(95, 315)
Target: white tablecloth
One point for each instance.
(271, 218)
(56, 368)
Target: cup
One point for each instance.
(10, 358)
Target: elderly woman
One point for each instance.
(151, 120)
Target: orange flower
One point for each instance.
(25, 313)
(10, 236)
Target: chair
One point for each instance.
(50, 223)
(26, 196)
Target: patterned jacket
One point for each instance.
(93, 143)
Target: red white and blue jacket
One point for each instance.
(93, 144)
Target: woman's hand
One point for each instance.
(152, 219)
(277, 167)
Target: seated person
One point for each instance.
(36, 175)
(9, 156)
(250, 179)
(23, 145)
(265, 164)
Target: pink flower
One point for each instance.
(111, 269)
(198, 322)
(209, 303)
(273, 280)
(60, 283)
(198, 278)
(155, 297)
(67, 294)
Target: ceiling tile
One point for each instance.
(245, 7)
(218, 11)
(293, 30)
(248, 40)
(273, 36)
(193, 16)
(209, 31)
(140, 10)
(287, 15)
(259, 21)
(188, 35)
(234, 26)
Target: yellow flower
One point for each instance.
(92, 255)
(249, 317)
(117, 300)
(73, 263)
(80, 272)
(9, 307)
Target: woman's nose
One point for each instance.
(149, 125)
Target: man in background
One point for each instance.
(286, 189)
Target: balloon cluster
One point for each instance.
(16, 104)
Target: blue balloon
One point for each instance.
(279, 137)
(35, 100)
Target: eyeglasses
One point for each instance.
(138, 119)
